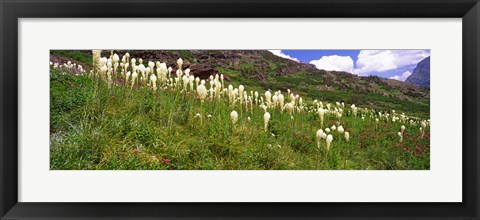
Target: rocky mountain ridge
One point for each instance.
(421, 74)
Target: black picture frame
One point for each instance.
(12, 10)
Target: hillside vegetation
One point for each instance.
(110, 120)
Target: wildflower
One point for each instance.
(264, 107)
(234, 117)
(354, 110)
(134, 77)
(400, 135)
(202, 92)
(329, 140)
(268, 96)
(290, 108)
(180, 63)
(142, 69)
(275, 100)
(266, 118)
(170, 69)
(116, 58)
(347, 136)
(422, 128)
(320, 134)
(327, 130)
(402, 128)
(340, 129)
(96, 59)
(198, 115)
(191, 79)
(103, 69)
(153, 81)
(151, 65)
(333, 128)
(136, 151)
(321, 112)
(167, 160)
(240, 92)
(281, 99)
(185, 81)
(248, 119)
(209, 116)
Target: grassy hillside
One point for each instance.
(95, 125)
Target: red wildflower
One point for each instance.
(136, 151)
(167, 160)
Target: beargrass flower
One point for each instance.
(320, 134)
(268, 97)
(290, 108)
(266, 118)
(234, 117)
(103, 69)
(321, 113)
(329, 140)
(134, 78)
(115, 58)
(153, 82)
(340, 129)
(400, 135)
(347, 136)
(423, 125)
(202, 92)
(179, 63)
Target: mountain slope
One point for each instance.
(421, 74)
(261, 70)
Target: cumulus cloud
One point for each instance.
(376, 61)
(335, 63)
(402, 77)
(281, 54)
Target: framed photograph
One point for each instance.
(226, 109)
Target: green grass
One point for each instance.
(77, 55)
(94, 127)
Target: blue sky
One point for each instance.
(393, 64)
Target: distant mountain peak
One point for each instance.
(421, 74)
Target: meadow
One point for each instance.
(132, 114)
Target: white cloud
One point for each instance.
(281, 54)
(402, 77)
(335, 63)
(375, 61)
